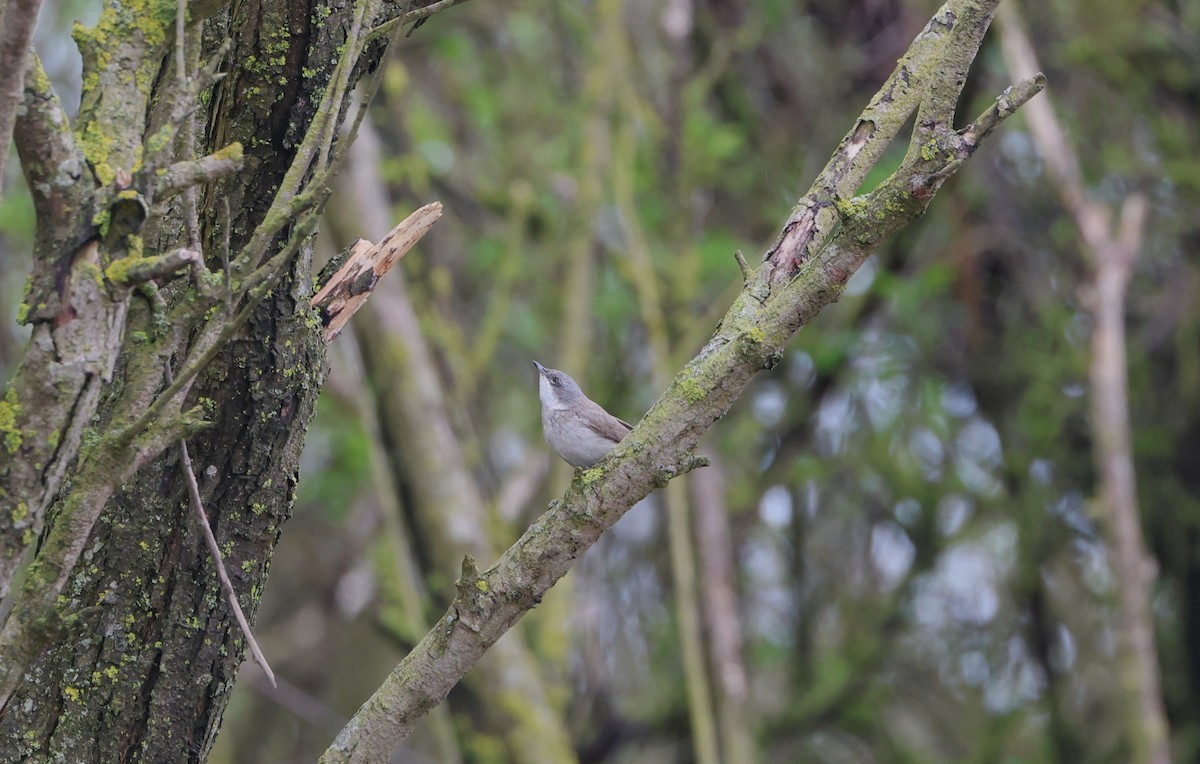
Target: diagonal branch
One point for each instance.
(805, 270)
(416, 16)
(813, 217)
(936, 115)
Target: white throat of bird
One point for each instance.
(549, 396)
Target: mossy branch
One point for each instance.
(52, 162)
(416, 17)
(823, 242)
(186, 174)
(77, 315)
(297, 203)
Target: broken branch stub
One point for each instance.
(347, 290)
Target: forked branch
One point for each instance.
(823, 242)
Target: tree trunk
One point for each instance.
(144, 668)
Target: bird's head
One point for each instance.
(556, 388)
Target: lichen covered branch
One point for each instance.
(193, 172)
(822, 244)
(89, 261)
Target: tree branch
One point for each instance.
(715, 550)
(35, 613)
(78, 318)
(183, 175)
(17, 19)
(814, 217)
(58, 180)
(416, 16)
(75, 348)
(1111, 253)
(131, 271)
(805, 270)
(968, 24)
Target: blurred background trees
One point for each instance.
(895, 555)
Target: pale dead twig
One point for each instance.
(211, 541)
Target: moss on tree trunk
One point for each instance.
(145, 669)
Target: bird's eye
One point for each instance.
(554, 381)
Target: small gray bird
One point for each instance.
(576, 427)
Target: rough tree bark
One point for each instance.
(119, 645)
(824, 241)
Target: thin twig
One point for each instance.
(744, 267)
(225, 223)
(341, 79)
(417, 14)
(209, 539)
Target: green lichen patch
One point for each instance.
(232, 152)
(96, 147)
(692, 390)
(10, 409)
(119, 270)
(851, 208)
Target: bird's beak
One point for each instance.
(541, 369)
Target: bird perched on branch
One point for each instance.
(575, 426)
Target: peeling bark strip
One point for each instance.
(806, 269)
(348, 289)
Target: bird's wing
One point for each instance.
(606, 425)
